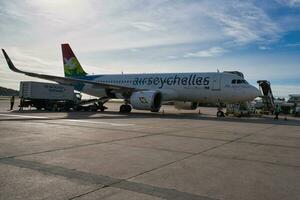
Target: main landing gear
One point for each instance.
(125, 108)
(220, 113)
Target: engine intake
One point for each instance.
(146, 100)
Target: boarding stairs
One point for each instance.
(267, 97)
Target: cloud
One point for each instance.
(211, 52)
(133, 50)
(108, 25)
(293, 45)
(145, 26)
(32, 61)
(172, 57)
(264, 48)
(285, 90)
(245, 22)
(290, 3)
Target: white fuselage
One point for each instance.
(211, 87)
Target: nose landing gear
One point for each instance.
(220, 112)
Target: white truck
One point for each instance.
(48, 96)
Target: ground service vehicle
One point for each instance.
(48, 96)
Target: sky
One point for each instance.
(260, 38)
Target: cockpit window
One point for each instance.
(239, 81)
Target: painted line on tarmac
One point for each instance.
(98, 122)
(23, 116)
(103, 180)
(70, 120)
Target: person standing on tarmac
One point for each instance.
(12, 102)
(277, 111)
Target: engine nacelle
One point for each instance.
(146, 100)
(185, 105)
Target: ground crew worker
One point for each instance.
(277, 111)
(12, 102)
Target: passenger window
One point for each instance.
(239, 81)
(233, 81)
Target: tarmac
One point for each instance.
(142, 155)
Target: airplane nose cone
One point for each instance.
(255, 92)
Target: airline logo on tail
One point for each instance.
(72, 67)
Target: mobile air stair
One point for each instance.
(267, 97)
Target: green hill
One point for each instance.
(8, 92)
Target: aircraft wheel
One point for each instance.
(220, 114)
(155, 110)
(125, 108)
(128, 108)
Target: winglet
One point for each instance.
(10, 64)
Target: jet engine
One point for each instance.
(146, 100)
(185, 105)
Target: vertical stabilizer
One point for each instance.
(72, 67)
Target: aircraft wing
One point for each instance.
(65, 80)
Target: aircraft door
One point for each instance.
(216, 85)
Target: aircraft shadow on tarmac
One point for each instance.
(191, 116)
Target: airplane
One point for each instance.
(150, 91)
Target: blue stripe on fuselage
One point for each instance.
(79, 85)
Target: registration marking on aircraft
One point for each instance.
(98, 122)
(24, 116)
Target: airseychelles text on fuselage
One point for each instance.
(192, 79)
(160, 80)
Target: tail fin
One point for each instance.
(72, 66)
